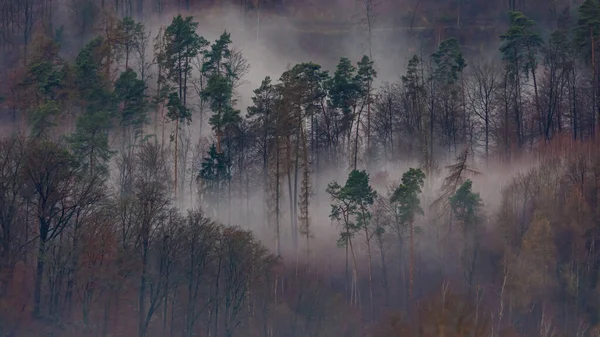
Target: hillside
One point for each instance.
(299, 168)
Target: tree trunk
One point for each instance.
(355, 160)
(370, 265)
(386, 289)
(176, 153)
(277, 198)
(411, 267)
(142, 291)
(291, 196)
(355, 288)
(39, 274)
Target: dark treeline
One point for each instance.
(119, 215)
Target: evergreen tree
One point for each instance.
(350, 209)
(466, 206)
(90, 139)
(415, 96)
(181, 46)
(92, 85)
(520, 45)
(364, 78)
(448, 67)
(407, 205)
(457, 175)
(215, 174)
(178, 112)
(46, 81)
(261, 116)
(131, 93)
(42, 119)
(344, 92)
(587, 41)
(449, 62)
(301, 90)
(587, 30)
(218, 58)
(305, 194)
(129, 34)
(220, 74)
(219, 92)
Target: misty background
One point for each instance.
(412, 168)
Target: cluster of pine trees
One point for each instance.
(110, 191)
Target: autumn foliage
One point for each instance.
(139, 197)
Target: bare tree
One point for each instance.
(245, 262)
(481, 92)
(199, 241)
(11, 163)
(151, 205)
(50, 175)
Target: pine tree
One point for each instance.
(416, 95)
(344, 92)
(215, 174)
(466, 209)
(46, 81)
(128, 36)
(305, 194)
(91, 84)
(587, 41)
(219, 93)
(220, 68)
(181, 46)
(350, 209)
(457, 175)
(520, 46)
(364, 78)
(261, 118)
(449, 62)
(218, 58)
(43, 119)
(219, 88)
(301, 91)
(587, 30)
(448, 66)
(131, 94)
(406, 206)
(90, 139)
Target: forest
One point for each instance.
(295, 168)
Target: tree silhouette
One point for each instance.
(407, 205)
(350, 209)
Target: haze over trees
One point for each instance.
(142, 192)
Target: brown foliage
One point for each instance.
(445, 314)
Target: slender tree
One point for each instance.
(466, 208)
(407, 205)
(50, 175)
(131, 92)
(90, 139)
(215, 175)
(587, 37)
(350, 209)
(181, 46)
(520, 46)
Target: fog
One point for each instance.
(434, 249)
(278, 46)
